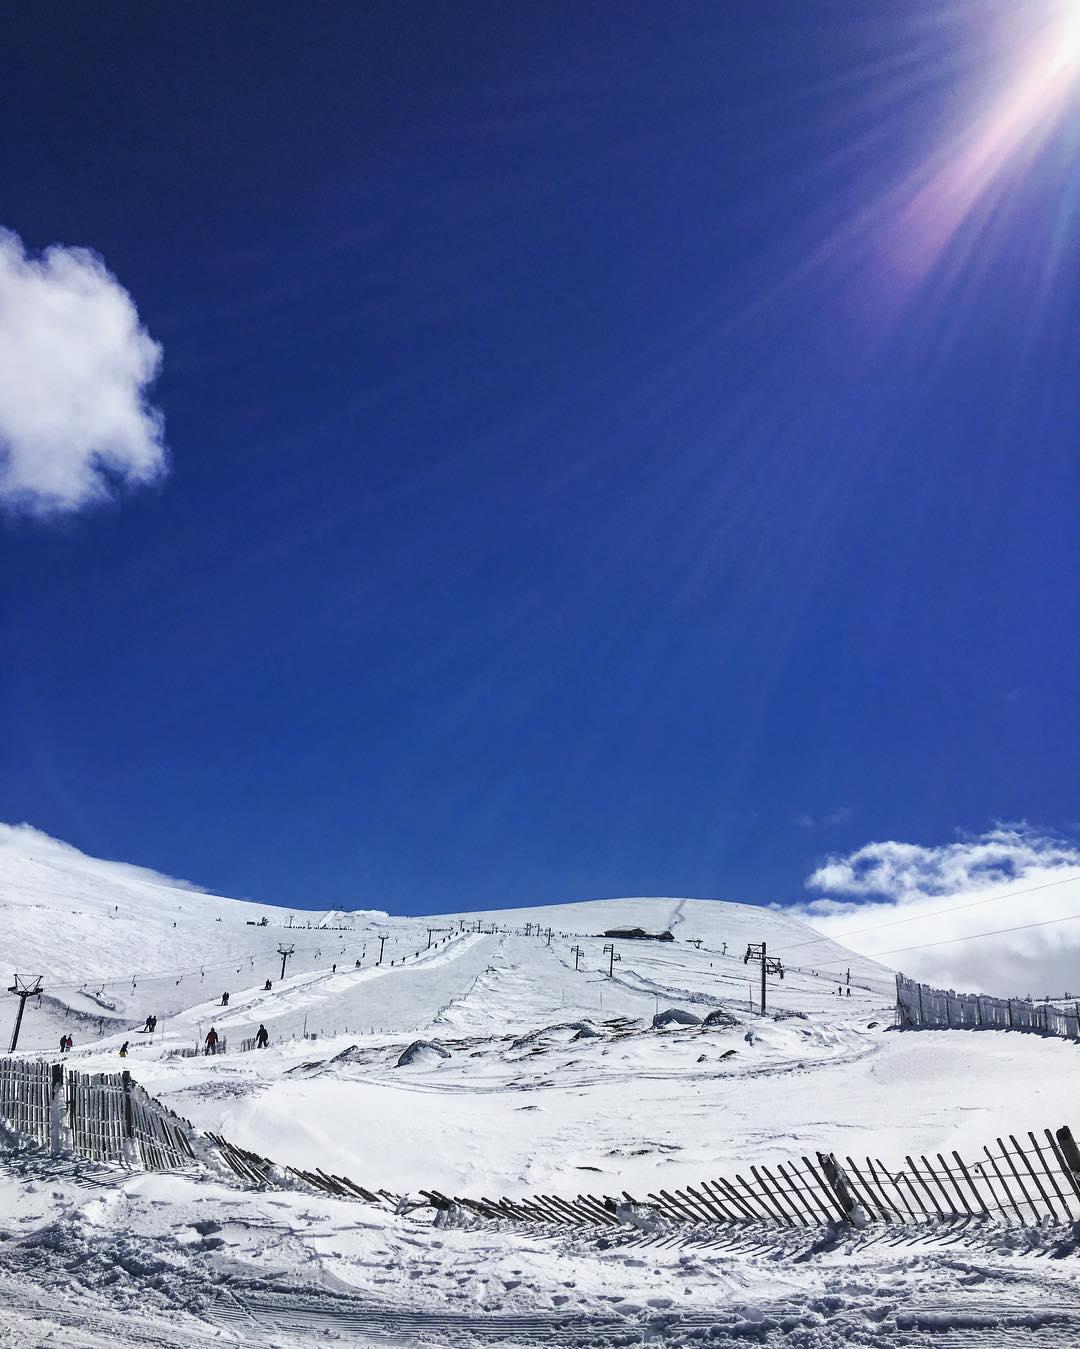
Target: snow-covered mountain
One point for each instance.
(114, 943)
(544, 1071)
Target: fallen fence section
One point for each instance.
(249, 1166)
(920, 1005)
(106, 1117)
(1016, 1183)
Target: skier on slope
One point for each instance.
(211, 1041)
(262, 1037)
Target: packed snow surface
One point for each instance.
(495, 1053)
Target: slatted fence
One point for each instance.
(921, 1005)
(1016, 1182)
(106, 1117)
(258, 1170)
(26, 1097)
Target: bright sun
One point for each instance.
(1067, 38)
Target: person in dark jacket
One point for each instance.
(63, 1044)
(224, 999)
(262, 1037)
(124, 1050)
(211, 1041)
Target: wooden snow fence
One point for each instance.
(919, 1006)
(1018, 1183)
(26, 1097)
(112, 1119)
(106, 1117)
(256, 1170)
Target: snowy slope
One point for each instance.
(554, 1079)
(115, 943)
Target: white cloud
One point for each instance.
(888, 896)
(838, 815)
(75, 365)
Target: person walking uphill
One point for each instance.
(211, 1041)
(262, 1037)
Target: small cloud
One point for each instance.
(837, 815)
(932, 911)
(75, 367)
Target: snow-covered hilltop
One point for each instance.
(507, 1052)
(115, 943)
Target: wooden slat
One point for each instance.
(826, 1190)
(796, 1195)
(880, 1193)
(971, 1184)
(1050, 1175)
(704, 1213)
(950, 1176)
(766, 1200)
(860, 1187)
(1066, 1170)
(1004, 1184)
(716, 1213)
(937, 1181)
(1035, 1177)
(1023, 1190)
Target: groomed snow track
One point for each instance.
(990, 1323)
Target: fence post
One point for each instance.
(837, 1182)
(1068, 1147)
(131, 1156)
(56, 1110)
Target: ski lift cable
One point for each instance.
(935, 913)
(950, 941)
(224, 964)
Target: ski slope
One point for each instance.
(544, 1072)
(115, 943)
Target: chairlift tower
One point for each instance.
(769, 965)
(23, 989)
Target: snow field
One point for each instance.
(555, 1080)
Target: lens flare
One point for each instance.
(1005, 136)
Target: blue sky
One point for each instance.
(613, 449)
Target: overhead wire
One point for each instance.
(204, 968)
(934, 913)
(949, 941)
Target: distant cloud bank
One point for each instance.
(884, 898)
(75, 367)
